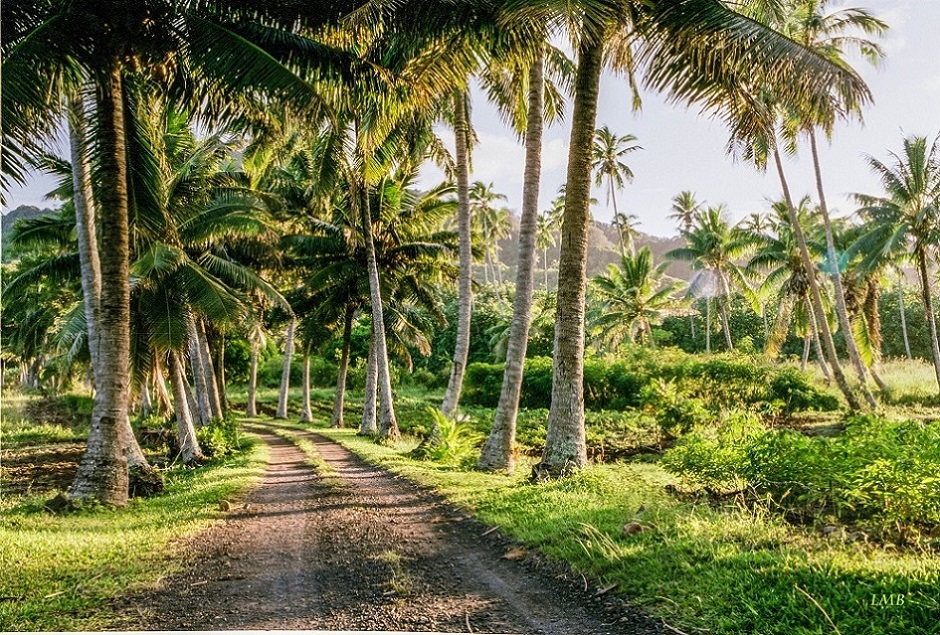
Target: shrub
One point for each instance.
(219, 438)
(878, 473)
(456, 442)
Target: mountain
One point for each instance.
(7, 220)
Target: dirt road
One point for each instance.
(364, 550)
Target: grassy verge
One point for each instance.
(58, 572)
(721, 570)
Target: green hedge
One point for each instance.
(718, 382)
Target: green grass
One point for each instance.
(724, 570)
(58, 572)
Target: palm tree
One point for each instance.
(544, 240)
(678, 43)
(832, 34)
(685, 209)
(607, 164)
(634, 296)
(46, 47)
(907, 219)
(713, 247)
(492, 223)
(627, 232)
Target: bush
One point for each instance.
(219, 438)
(456, 442)
(878, 473)
(625, 383)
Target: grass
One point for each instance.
(60, 572)
(724, 570)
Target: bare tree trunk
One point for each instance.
(204, 413)
(368, 426)
(388, 425)
(907, 341)
(850, 345)
(251, 410)
(186, 431)
(306, 415)
(285, 373)
(212, 388)
(815, 294)
(103, 472)
(565, 443)
(339, 401)
(497, 453)
(465, 275)
(928, 308)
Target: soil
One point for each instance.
(39, 470)
(362, 549)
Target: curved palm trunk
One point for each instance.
(873, 324)
(219, 363)
(251, 410)
(565, 445)
(186, 431)
(929, 309)
(368, 426)
(103, 472)
(807, 341)
(306, 415)
(465, 276)
(851, 345)
(497, 453)
(208, 366)
(146, 403)
(339, 401)
(907, 341)
(159, 384)
(285, 373)
(820, 357)
(388, 425)
(815, 295)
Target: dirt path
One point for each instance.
(363, 550)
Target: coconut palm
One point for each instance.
(906, 218)
(490, 223)
(634, 296)
(676, 44)
(713, 248)
(55, 48)
(607, 164)
(685, 209)
(544, 240)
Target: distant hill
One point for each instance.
(8, 219)
(603, 249)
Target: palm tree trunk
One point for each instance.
(306, 415)
(545, 266)
(251, 410)
(907, 341)
(465, 275)
(820, 357)
(807, 341)
(708, 325)
(497, 453)
(873, 324)
(388, 425)
(565, 444)
(146, 403)
(219, 363)
(928, 308)
(159, 384)
(368, 426)
(692, 327)
(103, 472)
(815, 295)
(212, 387)
(203, 401)
(726, 295)
(851, 345)
(339, 401)
(186, 431)
(285, 373)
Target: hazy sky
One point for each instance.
(685, 151)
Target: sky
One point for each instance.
(684, 150)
